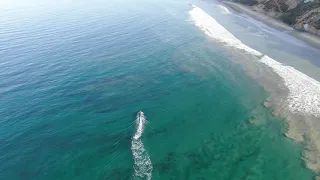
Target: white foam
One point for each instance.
(142, 163)
(224, 9)
(213, 29)
(304, 91)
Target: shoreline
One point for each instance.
(309, 39)
(294, 96)
(301, 128)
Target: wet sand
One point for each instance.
(303, 129)
(310, 39)
(294, 96)
(300, 127)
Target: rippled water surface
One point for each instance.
(74, 75)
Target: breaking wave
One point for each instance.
(304, 91)
(142, 163)
(224, 9)
(214, 30)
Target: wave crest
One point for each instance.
(304, 91)
(214, 30)
(224, 9)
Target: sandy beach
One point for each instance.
(301, 128)
(294, 96)
(310, 39)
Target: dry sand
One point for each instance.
(310, 39)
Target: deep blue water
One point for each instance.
(75, 73)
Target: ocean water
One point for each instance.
(74, 75)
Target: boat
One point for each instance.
(140, 114)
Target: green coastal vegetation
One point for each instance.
(303, 15)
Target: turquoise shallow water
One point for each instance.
(74, 75)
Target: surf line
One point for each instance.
(142, 163)
(304, 91)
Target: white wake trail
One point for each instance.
(304, 91)
(142, 163)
